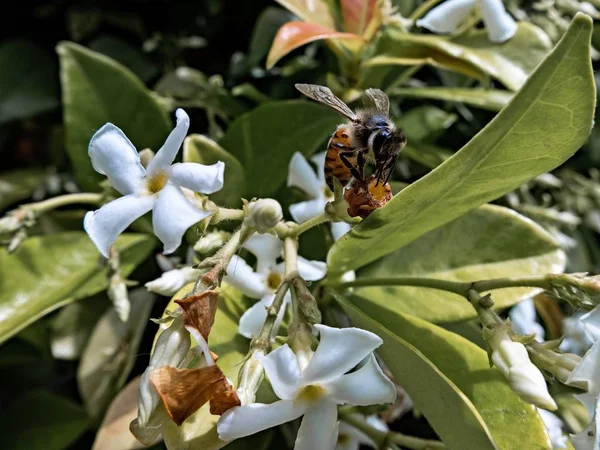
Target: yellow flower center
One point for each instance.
(311, 393)
(274, 280)
(157, 181)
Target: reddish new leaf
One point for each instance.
(296, 34)
(310, 11)
(357, 14)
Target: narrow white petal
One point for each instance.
(303, 211)
(105, 224)
(367, 386)
(447, 17)
(241, 276)
(266, 248)
(499, 24)
(249, 419)
(302, 176)
(198, 177)
(319, 161)
(339, 350)
(113, 155)
(588, 370)
(281, 366)
(311, 270)
(173, 214)
(591, 322)
(319, 427)
(167, 153)
(554, 426)
(254, 317)
(338, 229)
(348, 437)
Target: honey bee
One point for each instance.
(369, 135)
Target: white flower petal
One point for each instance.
(303, 211)
(339, 350)
(172, 215)
(554, 427)
(167, 153)
(349, 437)
(447, 17)
(338, 229)
(319, 160)
(105, 224)
(588, 439)
(499, 24)
(311, 270)
(241, 276)
(366, 386)
(302, 176)
(591, 322)
(253, 318)
(319, 427)
(588, 370)
(173, 280)
(266, 248)
(281, 366)
(113, 155)
(249, 419)
(198, 177)
(523, 319)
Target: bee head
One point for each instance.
(387, 143)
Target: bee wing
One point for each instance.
(380, 99)
(324, 95)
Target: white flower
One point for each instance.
(523, 319)
(314, 391)
(351, 438)
(173, 280)
(262, 283)
(302, 176)
(554, 426)
(447, 18)
(575, 336)
(524, 378)
(589, 437)
(157, 188)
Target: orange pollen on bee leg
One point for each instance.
(157, 181)
(377, 191)
(274, 280)
(311, 393)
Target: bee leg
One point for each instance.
(390, 168)
(344, 158)
(360, 161)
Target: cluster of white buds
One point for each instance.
(545, 356)
(264, 214)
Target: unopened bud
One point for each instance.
(307, 304)
(18, 237)
(524, 378)
(559, 364)
(211, 242)
(10, 223)
(250, 378)
(264, 214)
(173, 280)
(146, 156)
(117, 292)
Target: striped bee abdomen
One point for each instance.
(334, 167)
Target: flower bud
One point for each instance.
(264, 214)
(10, 223)
(146, 156)
(117, 292)
(307, 305)
(524, 378)
(211, 241)
(173, 280)
(559, 364)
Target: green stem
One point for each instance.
(63, 200)
(423, 9)
(310, 223)
(262, 342)
(224, 214)
(456, 287)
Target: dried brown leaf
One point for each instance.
(199, 311)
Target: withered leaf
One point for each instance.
(224, 400)
(199, 311)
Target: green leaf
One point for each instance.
(425, 123)
(111, 352)
(97, 90)
(447, 409)
(428, 155)
(18, 185)
(201, 149)
(124, 53)
(28, 84)
(544, 124)
(490, 99)
(48, 272)
(265, 139)
(488, 242)
(510, 63)
(40, 420)
(513, 424)
(199, 431)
